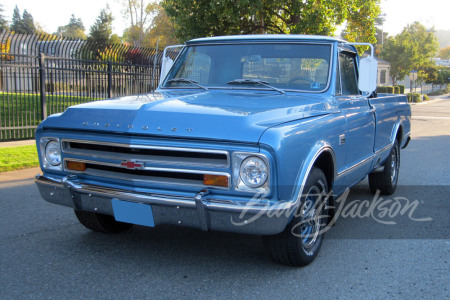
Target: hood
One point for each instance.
(215, 114)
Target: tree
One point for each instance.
(3, 21)
(413, 49)
(100, 33)
(444, 53)
(140, 13)
(24, 24)
(161, 29)
(362, 17)
(16, 24)
(74, 29)
(443, 77)
(210, 18)
(28, 22)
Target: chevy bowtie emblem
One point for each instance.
(132, 165)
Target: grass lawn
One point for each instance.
(17, 109)
(15, 158)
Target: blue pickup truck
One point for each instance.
(249, 134)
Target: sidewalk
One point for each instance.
(17, 143)
(23, 174)
(432, 99)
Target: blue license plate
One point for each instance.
(134, 213)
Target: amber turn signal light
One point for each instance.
(215, 180)
(75, 166)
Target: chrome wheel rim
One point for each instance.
(310, 228)
(393, 165)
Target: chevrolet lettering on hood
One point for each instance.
(244, 134)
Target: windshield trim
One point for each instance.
(330, 68)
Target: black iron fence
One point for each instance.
(43, 74)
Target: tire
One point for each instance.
(299, 244)
(101, 223)
(386, 181)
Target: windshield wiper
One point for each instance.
(187, 81)
(256, 81)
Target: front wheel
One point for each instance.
(300, 242)
(386, 181)
(101, 223)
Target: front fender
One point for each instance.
(296, 147)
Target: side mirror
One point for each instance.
(367, 70)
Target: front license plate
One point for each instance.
(134, 213)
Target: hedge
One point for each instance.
(385, 89)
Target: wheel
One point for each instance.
(300, 242)
(386, 181)
(101, 223)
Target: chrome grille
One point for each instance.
(149, 154)
(166, 165)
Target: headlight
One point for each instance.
(253, 172)
(53, 153)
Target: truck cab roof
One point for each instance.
(265, 38)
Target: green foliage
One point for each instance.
(409, 96)
(361, 20)
(425, 97)
(413, 48)
(212, 18)
(3, 21)
(402, 88)
(443, 77)
(414, 97)
(28, 22)
(396, 89)
(100, 33)
(161, 28)
(24, 24)
(444, 53)
(16, 23)
(15, 158)
(73, 30)
(141, 14)
(385, 89)
(443, 91)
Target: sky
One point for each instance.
(53, 13)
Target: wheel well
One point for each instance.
(399, 136)
(326, 164)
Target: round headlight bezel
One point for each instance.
(53, 153)
(254, 164)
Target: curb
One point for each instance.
(437, 99)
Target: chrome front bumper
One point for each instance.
(196, 210)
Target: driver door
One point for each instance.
(359, 138)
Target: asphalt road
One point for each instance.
(45, 253)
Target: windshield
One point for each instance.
(284, 66)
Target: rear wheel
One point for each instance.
(300, 242)
(386, 181)
(101, 223)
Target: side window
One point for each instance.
(349, 78)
